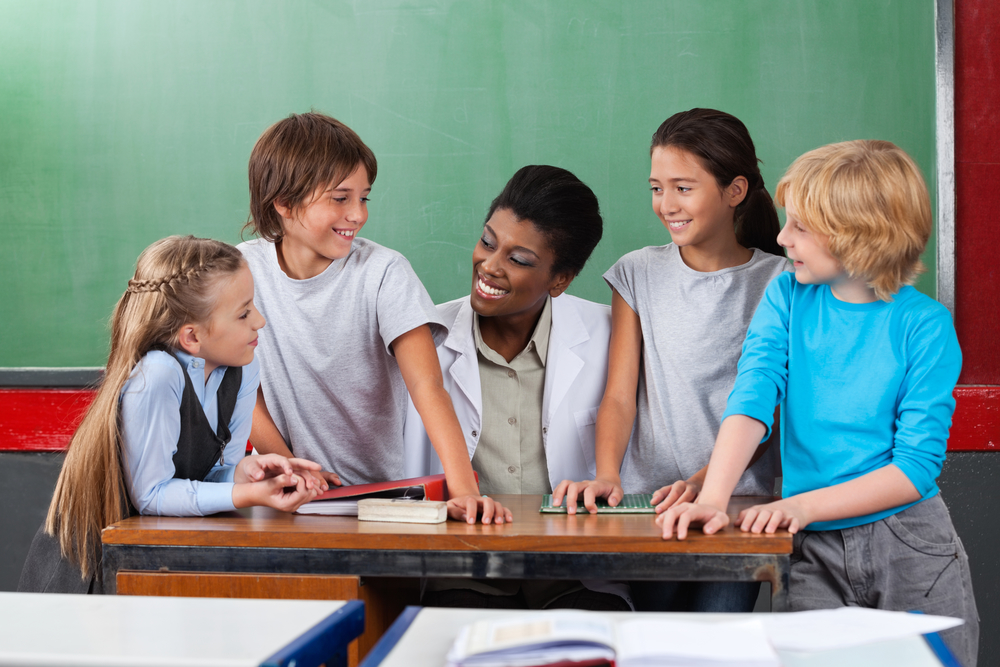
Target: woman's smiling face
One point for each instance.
(512, 268)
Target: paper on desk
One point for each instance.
(673, 642)
(827, 629)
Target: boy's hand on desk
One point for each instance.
(785, 513)
(467, 508)
(285, 492)
(681, 491)
(590, 490)
(712, 519)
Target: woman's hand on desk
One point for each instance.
(590, 491)
(711, 519)
(264, 466)
(467, 508)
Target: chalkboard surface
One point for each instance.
(124, 121)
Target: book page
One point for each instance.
(674, 642)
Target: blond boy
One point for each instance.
(864, 367)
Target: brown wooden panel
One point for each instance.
(530, 531)
(384, 599)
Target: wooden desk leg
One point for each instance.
(384, 598)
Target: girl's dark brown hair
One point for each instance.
(726, 150)
(295, 156)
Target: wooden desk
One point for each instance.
(51, 629)
(265, 545)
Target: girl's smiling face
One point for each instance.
(688, 199)
(512, 268)
(321, 231)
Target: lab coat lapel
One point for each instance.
(562, 365)
(464, 370)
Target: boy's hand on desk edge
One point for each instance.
(712, 519)
(467, 508)
(591, 490)
(681, 491)
(785, 513)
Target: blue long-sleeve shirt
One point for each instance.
(860, 386)
(151, 426)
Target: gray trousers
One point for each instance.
(912, 560)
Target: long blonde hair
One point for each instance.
(174, 284)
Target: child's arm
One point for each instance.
(266, 439)
(879, 490)
(418, 363)
(739, 437)
(615, 416)
(686, 491)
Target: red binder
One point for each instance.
(431, 487)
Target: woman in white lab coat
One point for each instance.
(536, 358)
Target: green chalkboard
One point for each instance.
(124, 121)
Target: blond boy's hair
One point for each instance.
(870, 201)
(293, 158)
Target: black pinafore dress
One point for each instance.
(199, 447)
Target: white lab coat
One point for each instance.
(576, 372)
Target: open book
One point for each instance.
(586, 638)
(581, 639)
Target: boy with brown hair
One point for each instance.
(864, 366)
(352, 328)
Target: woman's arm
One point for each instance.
(418, 363)
(616, 414)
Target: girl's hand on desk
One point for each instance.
(591, 490)
(681, 491)
(785, 513)
(712, 519)
(285, 492)
(467, 508)
(264, 466)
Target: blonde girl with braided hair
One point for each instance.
(167, 431)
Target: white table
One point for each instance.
(48, 629)
(422, 636)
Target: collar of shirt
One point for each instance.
(195, 367)
(539, 341)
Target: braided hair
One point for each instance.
(175, 283)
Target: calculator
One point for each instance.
(631, 503)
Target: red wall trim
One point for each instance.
(977, 167)
(976, 424)
(43, 420)
(40, 420)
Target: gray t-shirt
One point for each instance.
(329, 378)
(693, 326)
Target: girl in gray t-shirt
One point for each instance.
(680, 313)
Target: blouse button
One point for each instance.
(511, 469)
(475, 434)
(545, 429)
(511, 421)
(511, 374)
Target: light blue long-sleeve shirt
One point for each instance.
(151, 426)
(860, 386)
